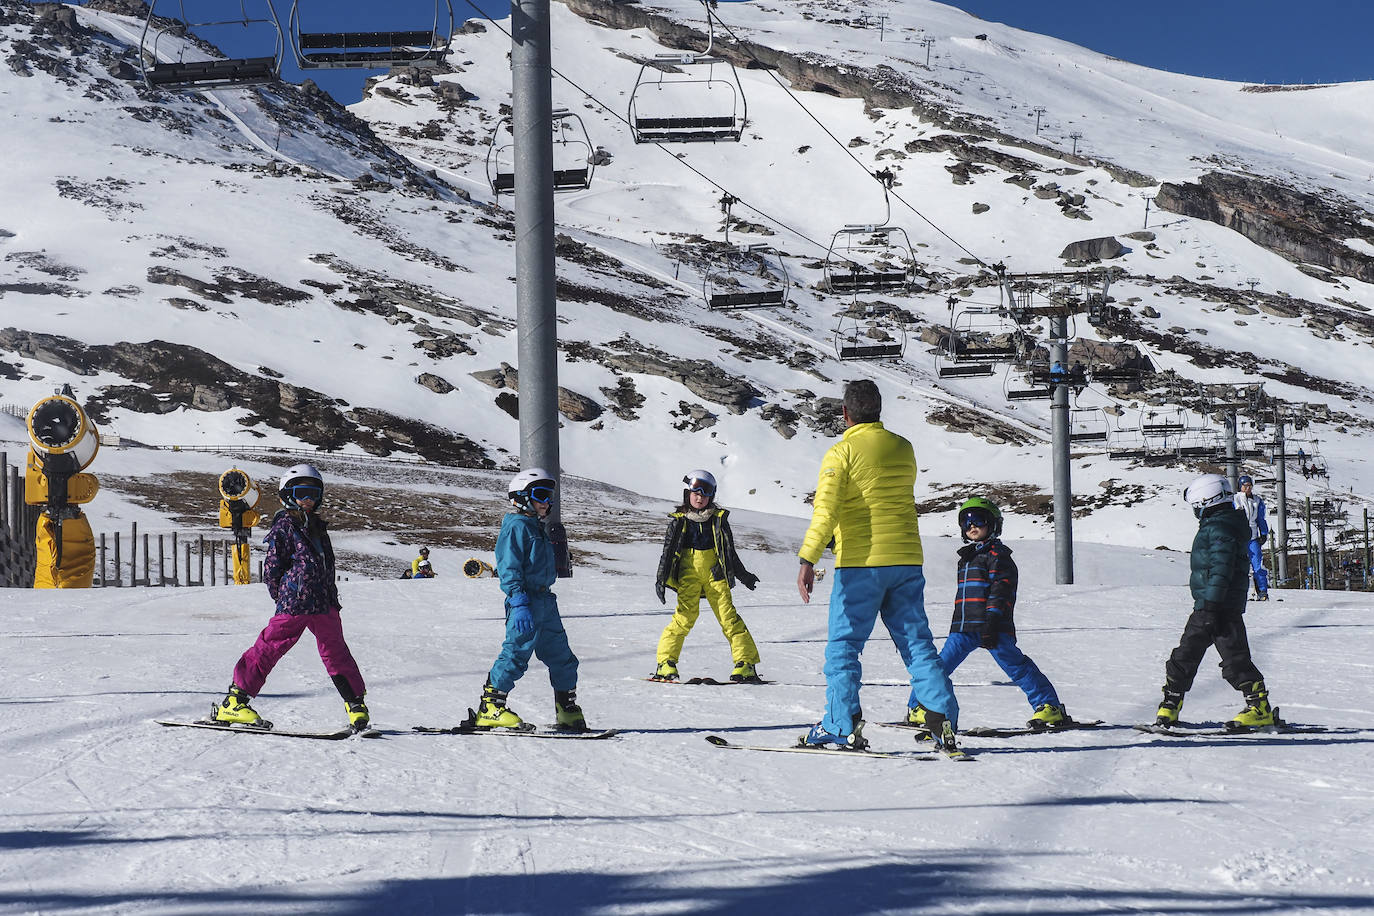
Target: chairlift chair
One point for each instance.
(747, 279)
(1088, 424)
(966, 327)
(1156, 423)
(1039, 387)
(870, 257)
(573, 162)
(210, 73)
(369, 50)
(703, 101)
(857, 337)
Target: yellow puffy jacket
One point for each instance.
(865, 500)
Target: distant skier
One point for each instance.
(699, 560)
(525, 564)
(1255, 512)
(423, 570)
(984, 599)
(415, 563)
(1219, 583)
(299, 571)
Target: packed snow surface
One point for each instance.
(104, 811)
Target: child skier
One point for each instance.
(699, 560)
(525, 564)
(1220, 584)
(299, 571)
(984, 600)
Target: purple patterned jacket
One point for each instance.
(299, 565)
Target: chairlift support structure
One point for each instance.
(860, 255)
(369, 50)
(573, 160)
(216, 73)
(1070, 292)
(699, 76)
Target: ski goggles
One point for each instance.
(541, 493)
(305, 491)
(970, 518)
(701, 489)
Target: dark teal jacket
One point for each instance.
(1220, 563)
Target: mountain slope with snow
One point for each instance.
(349, 297)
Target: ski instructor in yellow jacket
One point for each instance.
(865, 501)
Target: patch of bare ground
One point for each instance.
(447, 509)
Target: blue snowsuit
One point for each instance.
(526, 567)
(984, 600)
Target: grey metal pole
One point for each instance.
(1282, 482)
(1366, 545)
(1321, 550)
(1232, 471)
(1307, 527)
(536, 306)
(1059, 424)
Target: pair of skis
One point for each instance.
(526, 731)
(708, 682)
(930, 751)
(337, 735)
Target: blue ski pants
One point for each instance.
(1025, 673)
(860, 595)
(1256, 549)
(548, 640)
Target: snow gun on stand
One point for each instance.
(239, 497)
(474, 568)
(62, 444)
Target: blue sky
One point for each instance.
(1258, 41)
(1273, 41)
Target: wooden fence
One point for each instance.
(153, 560)
(18, 526)
(151, 563)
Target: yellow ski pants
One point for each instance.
(694, 583)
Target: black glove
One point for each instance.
(747, 579)
(658, 590)
(990, 631)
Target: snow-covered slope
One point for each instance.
(104, 812)
(346, 290)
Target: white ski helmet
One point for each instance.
(299, 473)
(523, 482)
(1208, 490)
(703, 476)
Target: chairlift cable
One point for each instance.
(769, 70)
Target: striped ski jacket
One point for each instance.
(985, 596)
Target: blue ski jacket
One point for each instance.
(525, 562)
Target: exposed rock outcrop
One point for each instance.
(1099, 249)
(1300, 226)
(170, 376)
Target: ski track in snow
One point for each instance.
(118, 814)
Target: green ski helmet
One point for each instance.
(976, 506)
